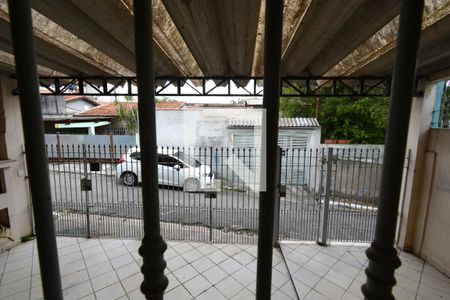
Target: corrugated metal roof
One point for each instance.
(284, 122)
(249, 117)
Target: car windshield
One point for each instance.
(192, 162)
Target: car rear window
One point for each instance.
(136, 155)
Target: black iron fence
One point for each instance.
(212, 194)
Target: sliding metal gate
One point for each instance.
(205, 194)
(331, 194)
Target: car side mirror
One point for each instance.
(177, 167)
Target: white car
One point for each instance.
(175, 168)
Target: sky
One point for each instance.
(190, 88)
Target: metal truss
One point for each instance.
(218, 86)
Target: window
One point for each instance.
(188, 161)
(136, 155)
(169, 161)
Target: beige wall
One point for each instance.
(432, 231)
(419, 125)
(16, 198)
(425, 218)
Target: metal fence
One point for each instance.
(212, 194)
(337, 196)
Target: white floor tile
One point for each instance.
(127, 270)
(185, 273)
(244, 276)
(229, 287)
(314, 295)
(203, 264)
(244, 295)
(230, 266)
(217, 256)
(202, 271)
(211, 294)
(279, 295)
(114, 291)
(329, 289)
(104, 280)
(134, 282)
(307, 277)
(197, 285)
(78, 291)
(215, 275)
(339, 279)
(15, 287)
(74, 279)
(99, 269)
(301, 288)
(178, 293)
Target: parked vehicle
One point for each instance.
(175, 168)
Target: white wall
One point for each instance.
(79, 105)
(197, 128)
(432, 235)
(189, 128)
(16, 197)
(419, 126)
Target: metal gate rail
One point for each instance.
(331, 193)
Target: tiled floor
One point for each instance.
(109, 269)
(337, 272)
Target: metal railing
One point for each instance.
(212, 194)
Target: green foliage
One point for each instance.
(128, 114)
(162, 99)
(361, 120)
(27, 238)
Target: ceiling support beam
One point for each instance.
(37, 163)
(383, 257)
(305, 44)
(363, 86)
(269, 147)
(153, 245)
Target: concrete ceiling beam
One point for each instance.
(116, 21)
(377, 55)
(434, 48)
(369, 18)
(80, 55)
(292, 15)
(7, 65)
(318, 26)
(6, 47)
(50, 55)
(167, 36)
(239, 23)
(199, 25)
(67, 15)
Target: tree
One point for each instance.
(128, 113)
(361, 120)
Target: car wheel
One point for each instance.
(191, 185)
(129, 179)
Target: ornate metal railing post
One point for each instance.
(33, 129)
(153, 246)
(383, 258)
